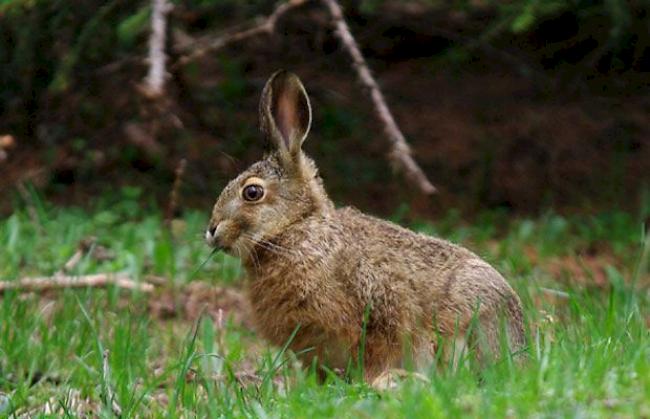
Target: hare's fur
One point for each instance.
(335, 275)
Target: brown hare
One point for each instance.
(353, 286)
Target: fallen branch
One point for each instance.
(400, 154)
(261, 26)
(102, 280)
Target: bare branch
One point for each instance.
(261, 26)
(400, 154)
(174, 194)
(155, 80)
(102, 280)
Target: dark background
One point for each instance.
(519, 105)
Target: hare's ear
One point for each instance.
(285, 113)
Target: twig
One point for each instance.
(108, 391)
(174, 193)
(119, 64)
(555, 293)
(31, 211)
(101, 280)
(155, 80)
(263, 25)
(84, 247)
(156, 280)
(400, 154)
(73, 261)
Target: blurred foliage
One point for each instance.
(70, 69)
(133, 26)
(47, 46)
(522, 15)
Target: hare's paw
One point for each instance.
(390, 379)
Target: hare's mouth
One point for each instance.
(213, 240)
(227, 236)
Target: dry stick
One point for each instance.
(400, 153)
(83, 248)
(265, 25)
(47, 283)
(555, 293)
(175, 192)
(71, 263)
(155, 80)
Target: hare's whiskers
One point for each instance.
(251, 251)
(269, 244)
(271, 247)
(254, 243)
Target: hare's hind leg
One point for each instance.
(501, 333)
(462, 341)
(493, 332)
(482, 308)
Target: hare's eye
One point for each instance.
(253, 193)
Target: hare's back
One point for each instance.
(384, 239)
(433, 274)
(429, 265)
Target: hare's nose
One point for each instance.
(210, 234)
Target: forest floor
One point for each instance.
(187, 349)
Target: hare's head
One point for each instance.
(279, 190)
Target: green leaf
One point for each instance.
(524, 21)
(129, 29)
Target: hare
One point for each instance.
(341, 285)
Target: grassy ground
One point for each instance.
(583, 281)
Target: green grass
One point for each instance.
(589, 350)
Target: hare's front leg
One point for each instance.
(382, 361)
(379, 355)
